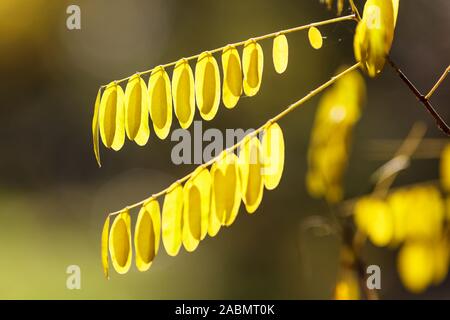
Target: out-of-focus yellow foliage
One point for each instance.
(347, 286)
(339, 5)
(445, 168)
(373, 217)
(347, 282)
(422, 263)
(374, 34)
(413, 218)
(338, 112)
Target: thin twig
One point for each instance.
(438, 83)
(279, 116)
(389, 171)
(423, 99)
(241, 43)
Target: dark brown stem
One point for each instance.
(439, 121)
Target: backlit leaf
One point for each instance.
(250, 166)
(280, 53)
(253, 64)
(197, 202)
(183, 91)
(95, 128)
(273, 155)
(172, 215)
(136, 110)
(315, 38)
(120, 243)
(111, 117)
(104, 247)
(232, 73)
(207, 85)
(147, 235)
(160, 102)
(226, 191)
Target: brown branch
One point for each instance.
(423, 99)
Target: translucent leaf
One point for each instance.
(120, 243)
(315, 38)
(104, 247)
(147, 235)
(273, 155)
(160, 102)
(395, 4)
(172, 215)
(250, 166)
(280, 53)
(111, 117)
(136, 110)
(191, 213)
(183, 91)
(207, 85)
(95, 128)
(197, 203)
(253, 64)
(226, 191)
(232, 73)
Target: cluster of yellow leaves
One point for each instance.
(339, 5)
(339, 110)
(375, 33)
(416, 219)
(209, 200)
(118, 113)
(347, 282)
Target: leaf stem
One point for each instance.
(240, 43)
(276, 118)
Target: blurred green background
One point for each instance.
(54, 198)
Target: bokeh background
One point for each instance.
(54, 198)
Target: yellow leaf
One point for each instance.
(191, 215)
(207, 85)
(183, 91)
(253, 64)
(120, 243)
(280, 53)
(147, 235)
(226, 191)
(232, 76)
(95, 128)
(160, 102)
(136, 110)
(252, 184)
(315, 38)
(273, 156)
(172, 215)
(197, 202)
(111, 117)
(104, 248)
(395, 5)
